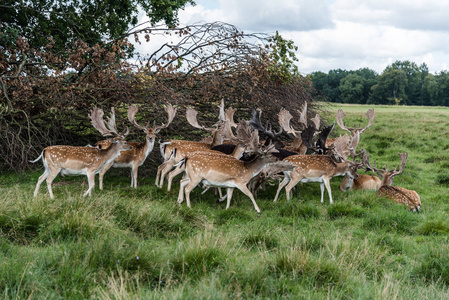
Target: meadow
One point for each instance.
(125, 243)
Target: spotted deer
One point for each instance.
(173, 151)
(363, 181)
(136, 157)
(240, 141)
(70, 160)
(223, 171)
(285, 117)
(355, 132)
(317, 168)
(396, 193)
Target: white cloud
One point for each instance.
(345, 34)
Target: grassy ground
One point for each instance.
(123, 243)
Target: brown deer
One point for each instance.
(241, 141)
(223, 171)
(136, 157)
(363, 181)
(285, 117)
(396, 193)
(354, 131)
(317, 168)
(173, 151)
(69, 160)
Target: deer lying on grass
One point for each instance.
(223, 171)
(136, 157)
(69, 160)
(317, 168)
(396, 193)
(362, 182)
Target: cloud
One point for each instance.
(265, 16)
(345, 34)
(405, 14)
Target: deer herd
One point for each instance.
(233, 156)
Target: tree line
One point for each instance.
(401, 83)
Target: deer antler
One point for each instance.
(303, 115)
(229, 115)
(403, 161)
(256, 124)
(171, 115)
(370, 114)
(132, 110)
(284, 118)
(96, 116)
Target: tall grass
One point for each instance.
(139, 244)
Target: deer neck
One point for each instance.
(342, 169)
(238, 151)
(110, 154)
(256, 165)
(149, 145)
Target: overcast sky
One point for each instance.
(346, 34)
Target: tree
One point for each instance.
(351, 89)
(390, 88)
(415, 76)
(64, 22)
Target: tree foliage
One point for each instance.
(45, 98)
(65, 22)
(402, 82)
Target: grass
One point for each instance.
(124, 243)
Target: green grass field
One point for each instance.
(123, 243)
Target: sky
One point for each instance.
(342, 34)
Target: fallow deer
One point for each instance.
(222, 171)
(363, 181)
(354, 131)
(70, 160)
(285, 117)
(396, 193)
(241, 142)
(317, 168)
(136, 157)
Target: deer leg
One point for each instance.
(190, 186)
(184, 182)
(322, 191)
(101, 174)
(91, 180)
(50, 179)
(168, 166)
(178, 170)
(281, 185)
(328, 187)
(290, 186)
(134, 170)
(41, 179)
(229, 196)
(247, 192)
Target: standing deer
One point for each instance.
(69, 160)
(136, 157)
(223, 171)
(354, 131)
(317, 168)
(173, 151)
(396, 193)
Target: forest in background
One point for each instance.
(401, 83)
